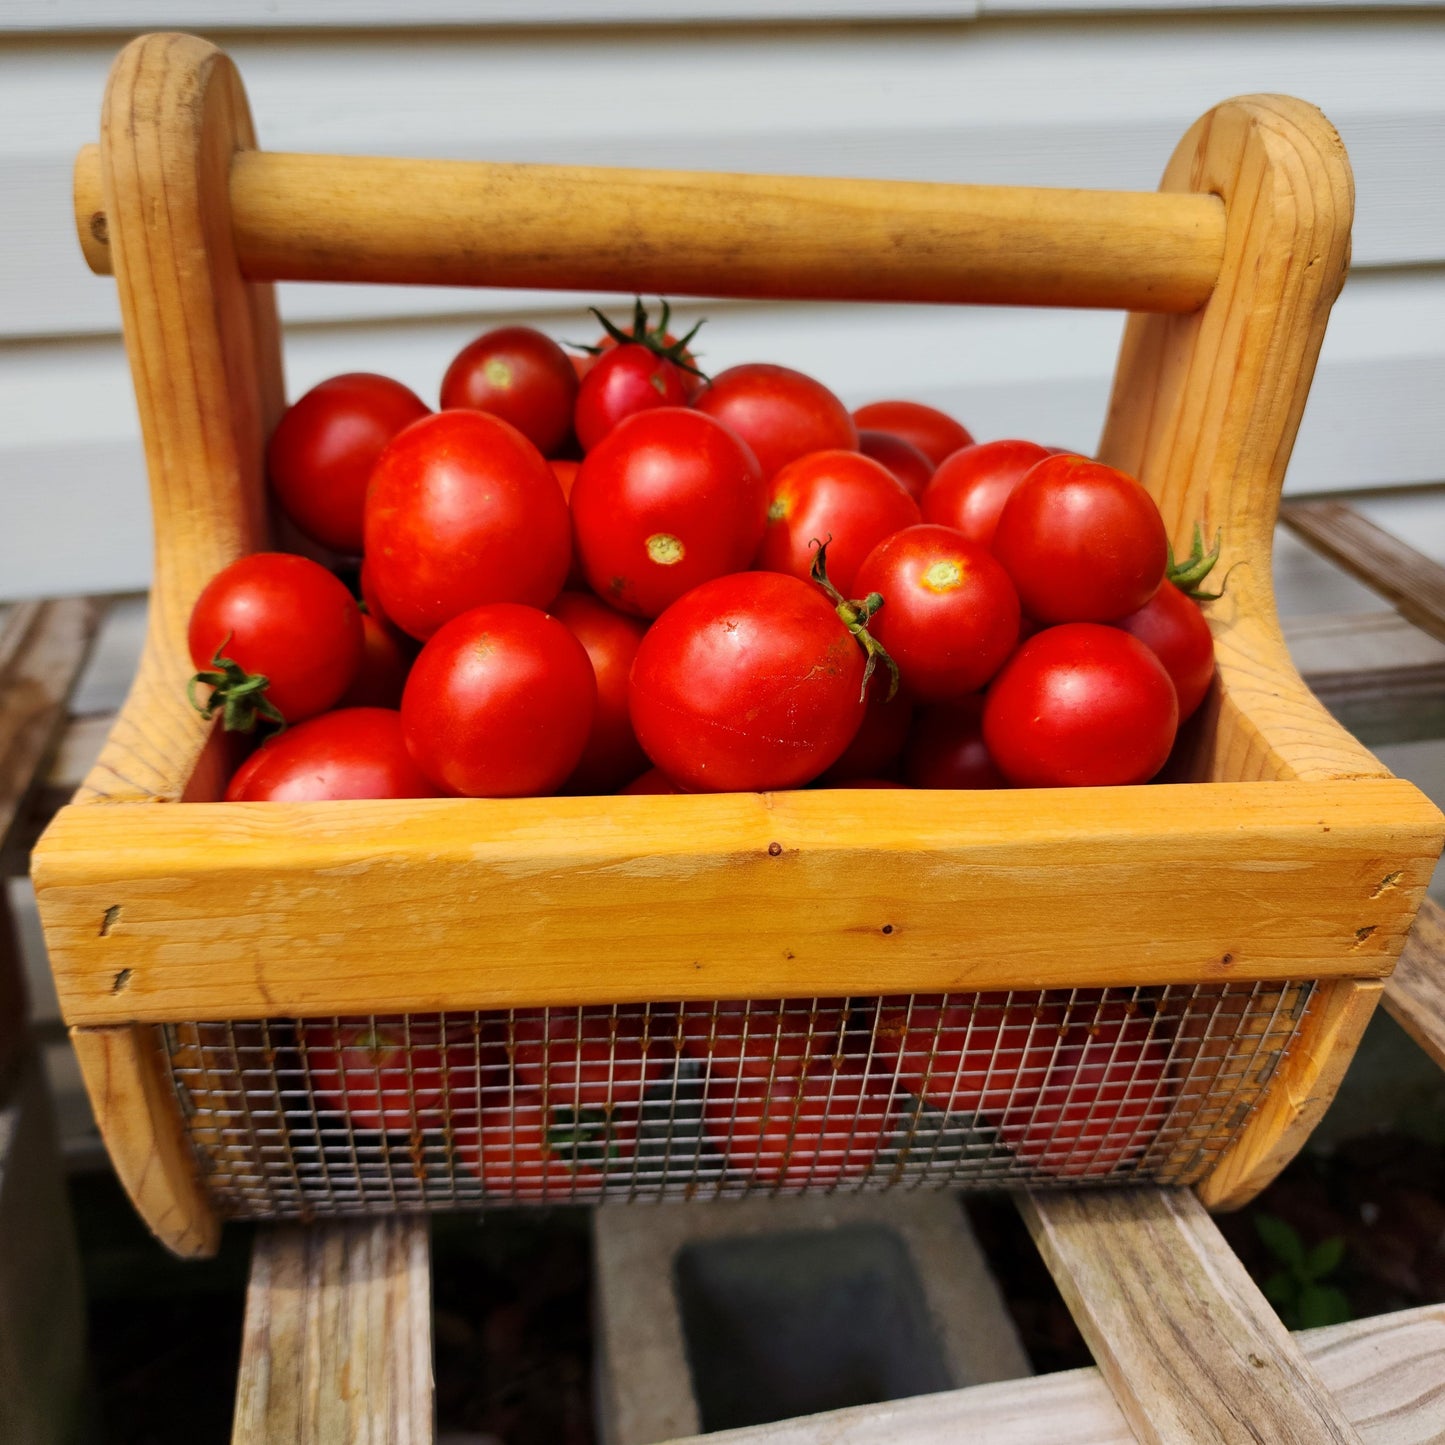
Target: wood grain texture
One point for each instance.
(700, 233)
(1415, 992)
(483, 903)
(1302, 1089)
(1205, 409)
(1191, 1349)
(336, 1347)
(1387, 1373)
(140, 1120)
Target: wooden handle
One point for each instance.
(693, 233)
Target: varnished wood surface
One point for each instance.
(362, 907)
(1415, 992)
(702, 233)
(337, 1345)
(1191, 1349)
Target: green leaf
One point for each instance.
(1280, 1289)
(1325, 1257)
(1322, 1304)
(1282, 1241)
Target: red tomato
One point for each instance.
(816, 1129)
(1080, 705)
(1082, 542)
(654, 780)
(657, 338)
(527, 1150)
(748, 683)
(612, 754)
(520, 375)
(285, 620)
(902, 458)
(933, 432)
(1105, 1097)
(500, 703)
(878, 744)
(781, 414)
(839, 497)
(763, 1038)
(566, 473)
(970, 487)
(462, 510)
(382, 1073)
(946, 748)
(385, 662)
(1173, 628)
(320, 456)
(670, 498)
(374, 608)
(356, 752)
(623, 382)
(983, 1054)
(950, 616)
(592, 1058)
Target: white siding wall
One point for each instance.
(998, 91)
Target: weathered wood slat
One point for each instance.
(1191, 1349)
(337, 1342)
(1415, 992)
(1387, 1373)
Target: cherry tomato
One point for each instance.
(748, 683)
(657, 338)
(933, 432)
(668, 499)
(623, 382)
(612, 754)
(839, 497)
(356, 752)
(946, 748)
(816, 1129)
(283, 618)
(592, 1058)
(566, 471)
(970, 487)
(1173, 628)
(382, 1073)
(1082, 542)
(462, 510)
(654, 780)
(525, 1149)
(1080, 705)
(763, 1038)
(520, 375)
(902, 458)
(950, 615)
(780, 413)
(320, 456)
(878, 744)
(500, 703)
(1106, 1095)
(385, 662)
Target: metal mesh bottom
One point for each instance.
(295, 1119)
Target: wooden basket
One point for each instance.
(1284, 867)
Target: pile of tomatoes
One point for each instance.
(604, 572)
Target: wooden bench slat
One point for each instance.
(1415, 992)
(1191, 1349)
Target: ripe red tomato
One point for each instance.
(500, 703)
(946, 748)
(653, 781)
(1173, 628)
(1082, 542)
(1080, 705)
(463, 510)
(970, 487)
(902, 458)
(950, 615)
(818, 1129)
(983, 1054)
(524, 1149)
(657, 338)
(669, 499)
(320, 456)
(878, 744)
(839, 497)
(933, 432)
(592, 1058)
(621, 383)
(520, 375)
(1105, 1097)
(385, 661)
(748, 683)
(285, 620)
(763, 1038)
(382, 1073)
(780, 413)
(356, 752)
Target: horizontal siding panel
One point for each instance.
(1098, 105)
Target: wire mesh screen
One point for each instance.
(301, 1118)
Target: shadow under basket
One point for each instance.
(304, 1010)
